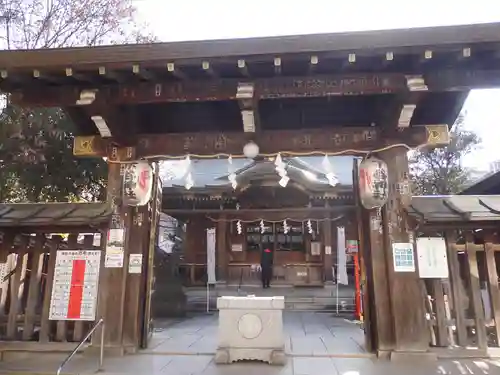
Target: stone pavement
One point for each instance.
(306, 334)
(149, 364)
(316, 344)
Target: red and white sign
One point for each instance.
(75, 286)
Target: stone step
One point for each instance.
(291, 304)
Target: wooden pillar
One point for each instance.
(136, 246)
(113, 281)
(408, 313)
(221, 248)
(327, 255)
(376, 262)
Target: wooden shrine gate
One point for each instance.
(463, 310)
(369, 93)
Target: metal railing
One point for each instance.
(101, 352)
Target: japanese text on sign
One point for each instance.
(75, 286)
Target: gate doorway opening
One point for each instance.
(312, 239)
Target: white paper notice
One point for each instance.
(211, 256)
(402, 255)
(432, 259)
(115, 248)
(4, 271)
(135, 263)
(236, 247)
(341, 257)
(315, 248)
(75, 286)
(328, 250)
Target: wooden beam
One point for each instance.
(249, 107)
(260, 211)
(77, 76)
(388, 58)
(175, 71)
(142, 73)
(242, 66)
(111, 75)
(426, 57)
(38, 75)
(271, 88)
(328, 140)
(207, 68)
(313, 63)
(407, 105)
(277, 65)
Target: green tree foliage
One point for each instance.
(440, 171)
(36, 160)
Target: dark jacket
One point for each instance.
(266, 260)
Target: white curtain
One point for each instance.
(341, 257)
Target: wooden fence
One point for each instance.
(28, 264)
(464, 310)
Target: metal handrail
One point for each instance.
(72, 354)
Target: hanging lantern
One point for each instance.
(373, 183)
(137, 184)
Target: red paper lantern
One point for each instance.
(373, 183)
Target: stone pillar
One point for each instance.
(406, 297)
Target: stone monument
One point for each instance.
(251, 328)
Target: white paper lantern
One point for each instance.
(251, 150)
(373, 183)
(137, 184)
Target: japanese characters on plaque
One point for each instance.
(281, 87)
(75, 285)
(325, 86)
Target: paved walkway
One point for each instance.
(316, 344)
(306, 334)
(203, 365)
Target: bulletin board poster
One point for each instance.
(403, 257)
(75, 285)
(432, 258)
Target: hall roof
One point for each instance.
(63, 66)
(489, 184)
(371, 41)
(456, 208)
(66, 215)
(213, 172)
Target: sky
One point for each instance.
(226, 19)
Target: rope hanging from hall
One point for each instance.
(258, 220)
(273, 155)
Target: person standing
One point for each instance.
(266, 263)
